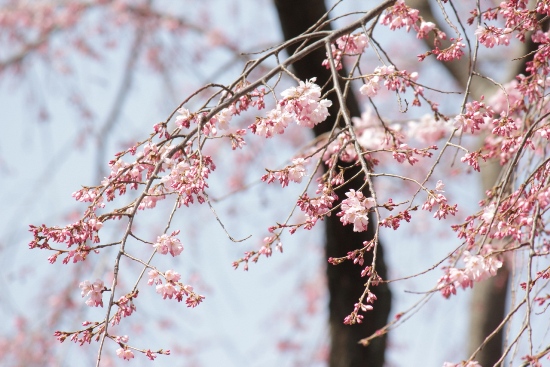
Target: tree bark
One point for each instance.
(345, 283)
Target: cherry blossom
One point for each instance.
(169, 244)
(302, 104)
(400, 15)
(424, 29)
(479, 268)
(318, 207)
(124, 353)
(172, 276)
(94, 290)
(371, 87)
(294, 172)
(154, 277)
(175, 161)
(353, 44)
(492, 36)
(183, 118)
(167, 290)
(355, 210)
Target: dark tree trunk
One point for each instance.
(344, 281)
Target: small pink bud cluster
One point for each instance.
(318, 207)
(505, 126)
(221, 120)
(237, 140)
(355, 317)
(265, 250)
(77, 233)
(518, 17)
(126, 307)
(394, 221)
(453, 52)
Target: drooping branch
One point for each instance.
(344, 280)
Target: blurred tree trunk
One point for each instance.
(344, 281)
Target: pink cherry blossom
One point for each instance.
(491, 36)
(355, 210)
(400, 15)
(167, 290)
(424, 29)
(371, 87)
(302, 104)
(168, 244)
(297, 171)
(94, 290)
(353, 44)
(183, 118)
(479, 268)
(124, 353)
(153, 277)
(172, 276)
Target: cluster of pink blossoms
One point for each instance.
(491, 36)
(400, 15)
(222, 119)
(476, 269)
(168, 289)
(393, 80)
(318, 207)
(294, 172)
(355, 209)
(477, 115)
(78, 233)
(437, 198)
(349, 44)
(94, 290)
(173, 288)
(302, 104)
(169, 244)
(188, 177)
